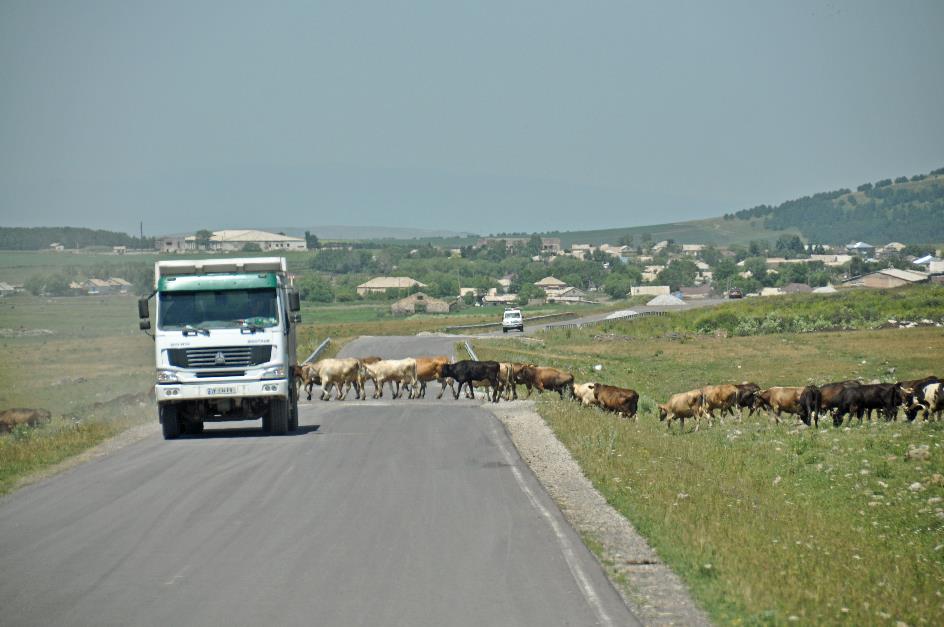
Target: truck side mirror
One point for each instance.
(296, 318)
(294, 304)
(143, 308)
(144, 325)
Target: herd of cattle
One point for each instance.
(501, 379)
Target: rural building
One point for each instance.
(119, 250)
(111, 285)
(57, 247)
(861, 248)
(236, 240)
(468, 290)
(660, 246)
(650, 290)
(650, 273)
(419, 303)
(380, 285)
(566, 295)
(550, 283)
(893, 247)
(6, 289)
(771, 291)
(172, 244)
(494, 298)
(889, 277)
(548, 244)
(692, 249)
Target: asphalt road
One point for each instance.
(373, 513)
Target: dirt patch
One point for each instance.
(651, 590)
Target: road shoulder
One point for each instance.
(649, 588)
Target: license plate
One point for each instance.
(220, 391)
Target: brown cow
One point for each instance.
(430, 369)
(621, 401)
(12, 418)
(684, 405)
(780, 399)
(722, 397)
(516, 378)
(544, 378)
(364, 375)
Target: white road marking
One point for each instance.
(179, 575)
(570, 556)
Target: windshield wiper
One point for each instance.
(195, 331)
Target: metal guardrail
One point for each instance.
(321, 348)
(593, 323)
(468, 349)
(483, 325)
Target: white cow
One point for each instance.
(401, 371)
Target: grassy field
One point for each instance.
(766, 523)
(73, 357)
(352, 320)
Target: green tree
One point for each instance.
(679, 273)
(202, 238)
(312, 287)
(251, 247)
(311, 241)
(534, 245)
(617, 285)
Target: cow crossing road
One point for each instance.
(373, 513)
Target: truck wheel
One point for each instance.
(170, 423)
(293, 414)
(278, 416)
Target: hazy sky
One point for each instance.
(487, 116)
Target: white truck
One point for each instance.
(224, 343)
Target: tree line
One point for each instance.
(41, 237)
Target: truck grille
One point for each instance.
(220, 356)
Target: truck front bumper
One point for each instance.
(223, 389)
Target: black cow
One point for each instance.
(467, 371)
(857, 400)
(745, 396)
(810, 400)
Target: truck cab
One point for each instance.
(224, 343)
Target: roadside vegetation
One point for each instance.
(768, 524)
(81, 359)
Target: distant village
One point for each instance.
(668, 272)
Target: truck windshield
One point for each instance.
(218, 309)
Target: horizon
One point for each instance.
(480, 119)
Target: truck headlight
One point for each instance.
(166, 376)
(278, 372)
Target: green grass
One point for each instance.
(765, 521)
(93, 354)
(801, 313)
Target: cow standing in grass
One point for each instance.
(542, 378)
(681, 406)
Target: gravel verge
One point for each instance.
(651, 590)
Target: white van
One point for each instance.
(512, 319)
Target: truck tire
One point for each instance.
(278, 416)
(293, 412)
(170, 423)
